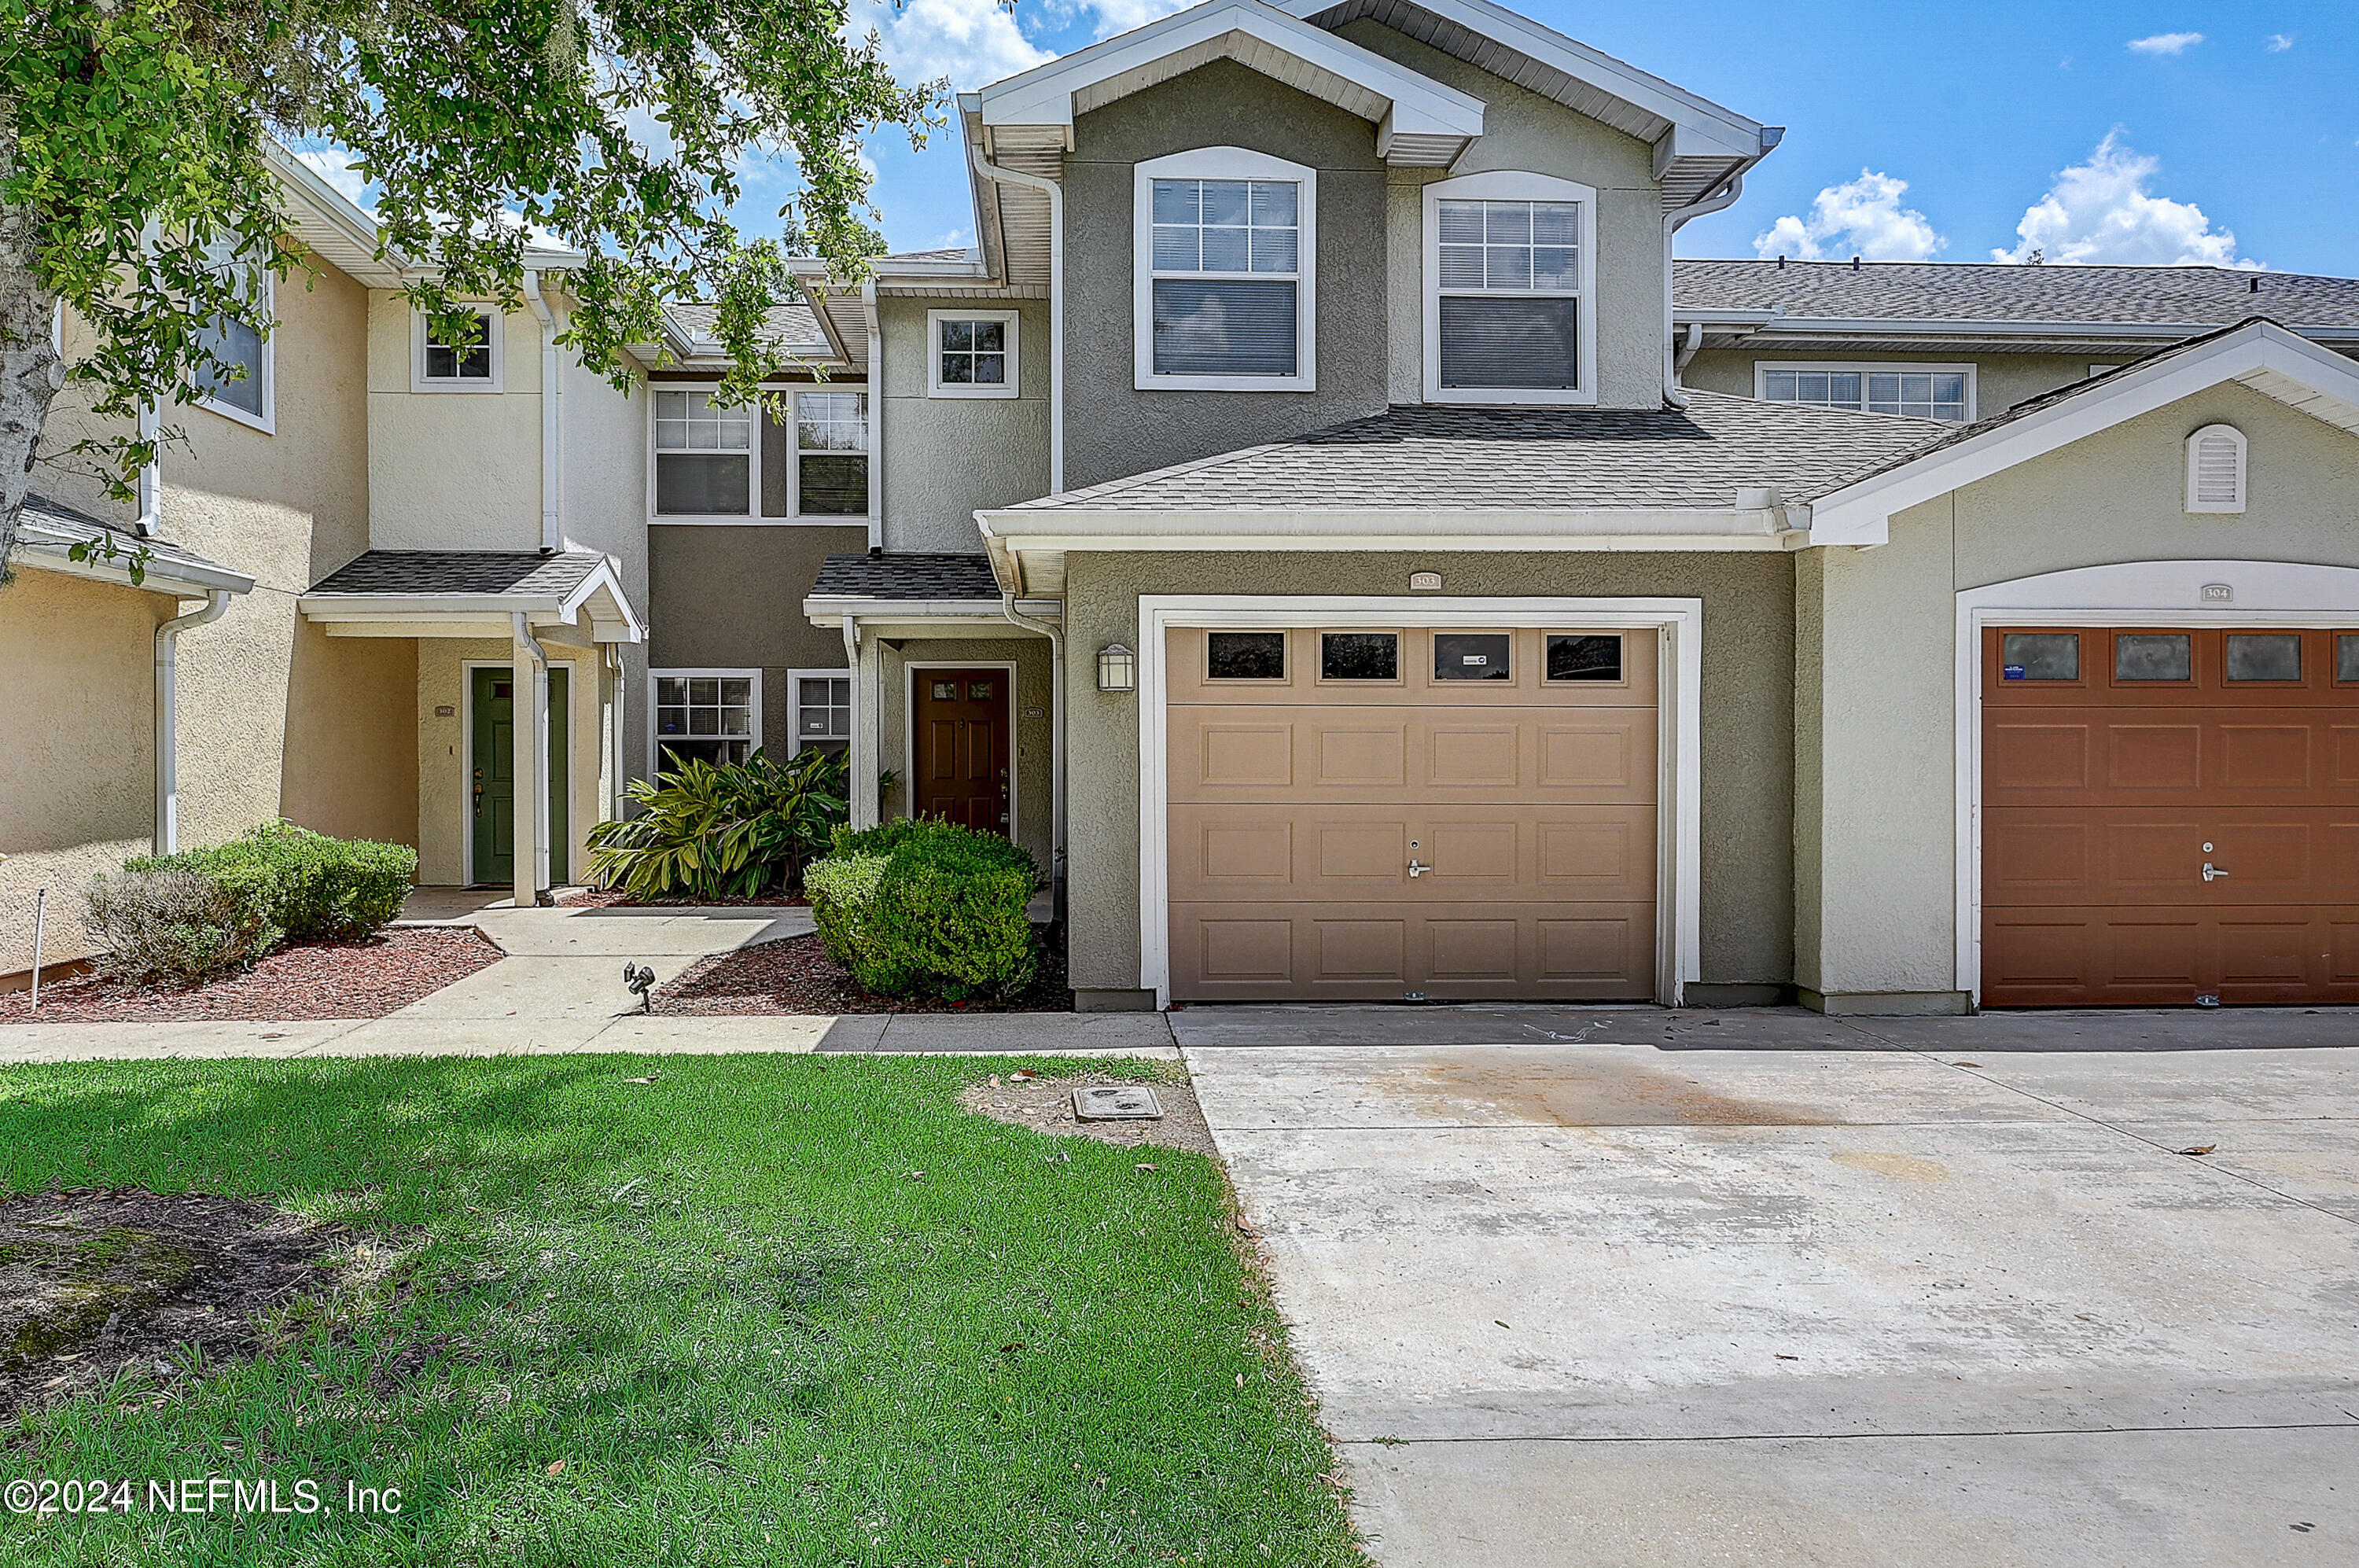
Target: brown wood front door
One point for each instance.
(961, 753)
(2170, 815)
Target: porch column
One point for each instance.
(531, 735)
(867, 721)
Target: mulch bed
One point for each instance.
(1046, 1105)
(94, 1283)
(795, 974)
(314, 980)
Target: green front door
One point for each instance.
(491, 766)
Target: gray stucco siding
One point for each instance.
(945, 457)
(1111, 428)
(1746, 767)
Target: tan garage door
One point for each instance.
(1360, 813)
(2119, 764)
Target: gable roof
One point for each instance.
(464, 586)
(2100, 310)
(2258, 353)
(47, 532)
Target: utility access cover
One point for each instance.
(1117, 1102)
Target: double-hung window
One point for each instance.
(831, 454)
(707, 716)
(1508, 296)
(1225, 296)
(822, 709)
(240, 383)
(464, 359)
(807, 458)
(703, 456)
(1924, 392)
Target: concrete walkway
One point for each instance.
(1939, 1292)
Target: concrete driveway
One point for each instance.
(1834, 1300)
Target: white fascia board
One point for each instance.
(1722, 131)
(181, 580)
(1967, 327)
(1721, 318)
(829, 610)
(2273, 360)
(1420, 106)
(1079, 528)
(601, 594)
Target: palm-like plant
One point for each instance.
(733, 831)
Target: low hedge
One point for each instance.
(278, 884)
(924, 908)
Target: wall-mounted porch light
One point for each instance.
(1118, 668)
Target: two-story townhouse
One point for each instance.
(1391, 616)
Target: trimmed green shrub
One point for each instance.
(924, 908)
(170, 924)
(730, 831)
(313, 888)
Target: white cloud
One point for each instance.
(334, 165)
(972, 42)
(2279, 42)
(2101, 212)
(1859, 217)
(2166, 43)
(1121, 16)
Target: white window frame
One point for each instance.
(1762, 367)
(752, 517)
(794, 679)
(936, 386)
(495, 331)
(1226, 163)
(792, 431)
(268, 420)
(2196, 504)
(753, 708)
(1512, 185)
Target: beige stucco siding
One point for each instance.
(1880, 900)
(2001, 380)
(1033, 739)
(1746, 768)
(76, 775)
(944, 457)
(452, 470)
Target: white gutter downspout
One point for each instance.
(876, 416)
(1056, 194)
(1672, 223)
(552, 420)
(150, 521)
(528, 713)
(168, 716)
(1056, 635)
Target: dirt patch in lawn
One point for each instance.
(94, 1284)
(795, 975)
(1046, 1105)
(314, 980)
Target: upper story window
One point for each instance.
(1225, 287)
(1509, 307)
(246, 392)
(467, 359)
(807, 459)
(1924, 392)
(974, 354)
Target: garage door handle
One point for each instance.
(1417, 868)
(2210, 871)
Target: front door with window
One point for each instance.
(491, 766)
(960, 721)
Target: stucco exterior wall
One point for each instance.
(452, 470)
(1111, 429)
(1034, 741)
(1524, 131)
(77, 777)
(444, 794)
(732, 598)
(944, 457)
(1884, 830)
(2001, 380)
(1746, 766)
(351, 737)
(604, 446)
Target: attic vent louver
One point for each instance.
(2215, 470)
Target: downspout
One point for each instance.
(876, 417)
(1056, 635)
(168, 716)
(553, 420)
(1720, 200)
(149, 524)
(1056, 194)
(529, 725)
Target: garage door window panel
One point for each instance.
(1360, 657)
(2346, 659)
(2265, 656)
(1584, 656)
(2040, 656)
(1245, 656)
(2154, 655)
(1474, 656)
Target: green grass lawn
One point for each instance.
(717, 1319)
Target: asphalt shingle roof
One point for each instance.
(795, 324)
(416, 573)
(1956, 291)
(911, 576)
(59, 524)
(1414, 457)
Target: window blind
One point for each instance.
(1206, 326)
(1510, 342)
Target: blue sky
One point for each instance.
(2231, 134)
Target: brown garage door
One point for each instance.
(1362, 814)
(2118, 765)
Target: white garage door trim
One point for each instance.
(2128, 593)
(1678, 934)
